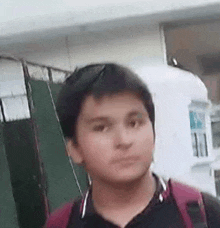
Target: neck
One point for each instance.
(122, 196)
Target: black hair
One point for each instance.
(98, 80)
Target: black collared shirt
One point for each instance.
(158, 213)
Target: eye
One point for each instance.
(135, 123)
(100, 128)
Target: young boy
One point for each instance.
(107, 115)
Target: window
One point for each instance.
(198, 133)
(217, 182)
(216, 134)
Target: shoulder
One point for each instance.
(212, 208)
(211, 203)
(59, 218)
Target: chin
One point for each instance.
(129, 178)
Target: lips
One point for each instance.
(130, 159)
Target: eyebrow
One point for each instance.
(107, 118)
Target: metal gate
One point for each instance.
(42, 176)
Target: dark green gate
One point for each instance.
(40, 176)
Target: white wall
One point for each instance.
(173, 91)
(201, 178)
(12, 91)
(10, 71)
(134, 46)
(144, 46)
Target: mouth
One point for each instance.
(126, 160)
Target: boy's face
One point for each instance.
(115, 138)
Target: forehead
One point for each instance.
(111, 105)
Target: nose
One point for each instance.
(123, 139)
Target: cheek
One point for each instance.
(96, 154)
(95, 147)
(145, 139)
(97, 141)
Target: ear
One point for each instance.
(74, 151)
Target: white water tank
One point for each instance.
(173, 90)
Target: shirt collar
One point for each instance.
(87, 207)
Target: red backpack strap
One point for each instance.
(60, 218)
(189, 202)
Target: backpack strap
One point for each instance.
(75, 221)
(189, 202)
(60, 218)
(78, 212)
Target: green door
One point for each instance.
(8, 215)
(63, 181)
(37, 176)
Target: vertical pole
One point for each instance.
(31, 107)
(2, 110)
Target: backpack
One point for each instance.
(188, 200)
